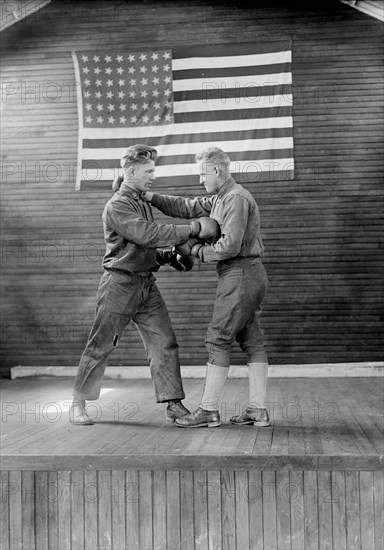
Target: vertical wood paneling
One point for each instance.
(378, 491)
(28, 508)
(104, 485)
(325, 294)
(228, 517)
(242, 509)
(4, 510)
(118, 510)
(214, 510)
(159, 510)
(296, 497)
(338, 511)
(132, 497)
(145, 510)
(352, 502)
(367, 514)
(255, 510)
(91, 496)
(186, 510)
(53, 511)
(210, 510)
(77, 527)
(173, 510)
(64, 510)
(15, 511)
(41, 509)
(311, 521)
(325, 510)
(283, 511)
(269, 510)
(200, 510)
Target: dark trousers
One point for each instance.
(120, 299)
(242, 286)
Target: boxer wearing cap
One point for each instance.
(128, 291)
(242, 285)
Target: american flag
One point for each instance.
(236, 97)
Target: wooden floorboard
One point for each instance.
(326, 424)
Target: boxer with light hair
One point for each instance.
(242, 286)
(128, 291)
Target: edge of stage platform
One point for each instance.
(191, 462)
(316, 370)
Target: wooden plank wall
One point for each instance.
(192, 509)
(323, 230)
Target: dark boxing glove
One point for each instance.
(175, 260)
(210, 230)
(186, 248)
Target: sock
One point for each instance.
(258, 376)
(214, 382)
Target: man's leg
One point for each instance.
(155, 328)
(226, 319)
(116, 305)
(251, 340)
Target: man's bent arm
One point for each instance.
(232, 231)
(179, 207)
(138, 230)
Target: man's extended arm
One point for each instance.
(179, 207)
(135, 228)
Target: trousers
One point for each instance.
(242, 286)
(122, 298)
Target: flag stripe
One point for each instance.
(186, 128)
(261, 145)
(234, 61)
(231, 72)
(231, 103)
(224, 82)
(200, 116)
(186, 182)
(92, 171)
(112, 145)
(221, 92)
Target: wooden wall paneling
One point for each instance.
(228, 515)
(91, 509)
(132, 514)
(352, 502)
(378, 492)
(145, 509)
(160, 510)
(338, 510)
(296, 498)
(4, 510)
(242, 509)
(53, 510)
(15, 510)
(269, 509)
(283, 510)
(214, 510)
(173, 509)
(367, 515)
(77, 511)
(118, 510)
(186, 510)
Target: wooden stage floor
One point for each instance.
(317, 423)
(313, 480)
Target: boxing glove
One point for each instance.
(185, 248)
(209, 230)
(175, 260)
